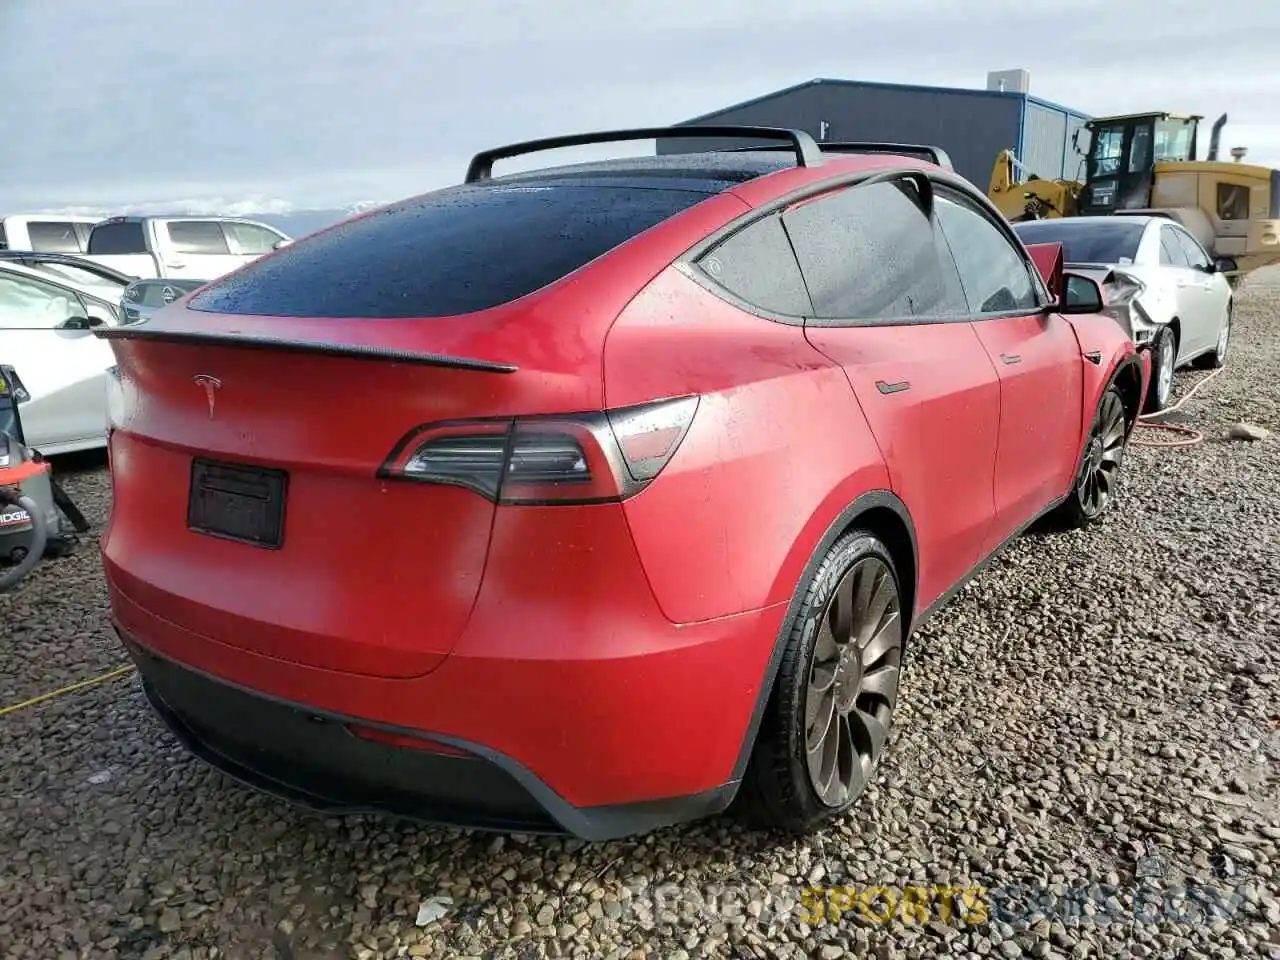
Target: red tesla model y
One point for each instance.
(588, 499)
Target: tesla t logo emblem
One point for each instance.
(211, 386)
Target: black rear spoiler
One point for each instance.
(352, 351)
(935, 155)
(796, 142)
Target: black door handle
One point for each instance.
(898, 387)
(1010, 358)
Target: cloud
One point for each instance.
(321, 101)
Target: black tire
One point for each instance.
(1104, 452)
(1164, 349)
(1217, 357)
(778, 790)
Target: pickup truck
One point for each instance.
(45, 233)
(193, 248)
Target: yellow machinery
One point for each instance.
(1145, 164)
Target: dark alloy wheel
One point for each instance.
(828, 720)
(1099, 470)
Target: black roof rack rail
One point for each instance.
(800, 143)
(935, 155)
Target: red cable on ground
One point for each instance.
(1190, 437)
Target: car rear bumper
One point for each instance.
(597, 717)
(314, 759)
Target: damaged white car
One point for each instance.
(58, 367)
(1160, 285)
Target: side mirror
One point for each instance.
(77, 322)
(281, 244)
(1225, 265)
(1081, 295)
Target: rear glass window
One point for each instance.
(111, 239)
(47, 237)
(457, 251)
(1100, 241)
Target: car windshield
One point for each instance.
(1096, 240)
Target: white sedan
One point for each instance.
(1161, 286)
(46, 339)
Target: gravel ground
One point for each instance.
(1090, 699)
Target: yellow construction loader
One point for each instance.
(1145, 164)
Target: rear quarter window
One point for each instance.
(460, 250)
(757, 265)
(114, 239)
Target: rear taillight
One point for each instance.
(1121, 292)
(578, 458)
(1122, 289)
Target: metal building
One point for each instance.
(973, 126)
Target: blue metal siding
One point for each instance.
(1043, 133)
(971, 125)
(1073, 154)
(1046, 148)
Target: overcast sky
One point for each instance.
(321, 102)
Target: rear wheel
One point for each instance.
(1164, 355)
(1217, 357)
(1098, 474)
(828, 719)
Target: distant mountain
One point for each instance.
(299, 223)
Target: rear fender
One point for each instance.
(827, 525)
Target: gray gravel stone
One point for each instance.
(1092, 699)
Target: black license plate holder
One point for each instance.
(233, 501)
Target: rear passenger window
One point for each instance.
(756, 265)
(995, 274)
(1171, 253)
(454, 251)
(870, 253)
(197, 237)
(47, 237)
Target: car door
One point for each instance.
(1036, 356)
(1207, 290)
(45, 336)
(1173, 258)
(888, 307)
(194, 249)
(249, 241)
